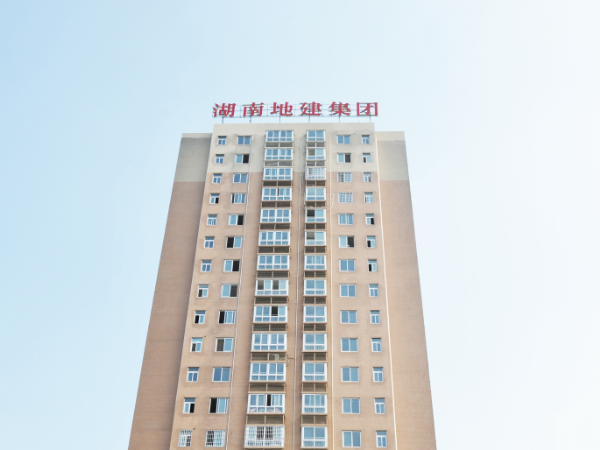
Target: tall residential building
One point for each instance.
(287, 311)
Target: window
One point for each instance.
(373, 290)
(375, 317)
(229, 290)
(199, 317)
(380, 406)
(221, 374)
(368, 197)
(314, 287)
(346, 219)
(243, 140)
(212, 219)
(218, 406)
(376, 344)
(351, 438)
(315, 215)
(344, 197)
(366, 157)
(314, 372)
(277, 173)
(314, 262)
(274, 238)
(217, 178)
(350, 406)
(343, 139)
(196, 345)
(219, 159)
(273, 262)
(192, 374)
(382, 439)
(314, 403)
(189, 405)
(365, 139)
(238, 198)
(348, 316)
(242, 159)
(347, 290)
(371, 241)
(344, 177)
(278, 153)
(313, 341)
(202, 290)
(215, 438)
(346, 241)
(266, 403)
(205, 266)
(214, 199)
(314, 238)
(264, 436)
(372, 265)
(349, 344)
(280, 136)
(270, 313)
(269, 341)
(276, 194)
(350, 374)
(378, 374)
(315, 193)
(240, 177)
(185, 438)
(271, 287)
(209, 242)
(346, 265)
(267, 372)
(370, 219)
(314, 437)
(315, 135)
(231, 265)
(236, 219)
(344, 158)
(221, 140)
(315, 314)
(226, 317)
(315, 154)
(275, 215)
(367, 177)
(234, 242)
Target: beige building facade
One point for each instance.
(287, 311)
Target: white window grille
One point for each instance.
(315, 314)
(313, 341)
(280, 136)
(275, 215)
(264, 436)
(315, 173)
(315, 262)
(315, 215)
(273, 262)
(314, 371)
(266, 403)
(315, 238)
(345, 197)
(267, 372)
(215, 438)
(314, 404)
(315, 287)
(278, 154)
(269, 341)
(271, 287)
(270, 314)
(185, 438)
(314, 437)
(276, 194)
(367, 177)
(344, 177)
(274, 238)
(277, 173)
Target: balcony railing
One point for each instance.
(316, 173)
(264, 437)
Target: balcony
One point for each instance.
(316, 173)
(264, 436)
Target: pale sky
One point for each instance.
(500, 103)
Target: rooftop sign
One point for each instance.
(308, 109)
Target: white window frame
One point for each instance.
(210, 218)
(238, 198)
(206, 265)
(196, 346)
(209, 242)
(244, 140)
(343, 139)
(320, 240)
(366, 157)
(316, 154)
(350, 372)
(309, 342)
(203, 290)
(347, 265)
(214, 199)
(217, 438)
(240, 178)
(378, 373)
(230, 263)
(370, 219)
(314, 408)
(280, 136)
(258, 404)
(379, 405)
(274, 342)
(371, 242)
(221, 140)
(352, 434)
(315, 136)
(345, 197)
(193, 374)
(274, 238)
(344, 243)
(219, 159)
(228, 317)
(349, 311)
(275, 215)
(260, 317)
(240, 157)
(320, 217)
(342, 157)
(278, 262)
(319, 262)
(344, 177)
(351, 345)
(279, 154)
(226, 290)
(314, 376)
(350, 402)
(366, 139)
(217, 178)
(189, 405)
(369, 197)
(376, 345)
(267, 371)
(221, 405)
(222, 371)
(381, 439)
(374, 290)
(315, 194)
(375, 317)
(312, 442)
(367, 177)
(272, 286)
(311, 314)
(281, 194)
(315, 286)
(345, 219)
(237, 241)
(277, 173)
(372, 265)
(201, 315)
(346, 290)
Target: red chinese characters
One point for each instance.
(310, 109)
(366, 109)
(283, 109)
(254, 109)
(339, 109)
(225, 110)
(288, 109)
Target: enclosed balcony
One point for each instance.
(264, 436)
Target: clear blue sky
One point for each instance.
(500, 102)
